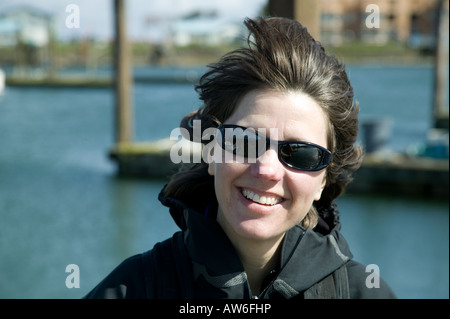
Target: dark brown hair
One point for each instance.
(281, 55)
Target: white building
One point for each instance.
(205, 31)
(25, 24)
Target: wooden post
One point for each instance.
(440, 106)
(308, 13)
(123, 77)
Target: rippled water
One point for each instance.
(61, 203)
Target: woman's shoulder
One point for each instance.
(365, 282)
(125, 281)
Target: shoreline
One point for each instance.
(80, 77)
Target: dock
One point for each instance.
(398, 174)
(382, 173)
(96, 81)
(60, 81)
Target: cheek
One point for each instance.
(224, 176)
(306, 187)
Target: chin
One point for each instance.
(257, 230)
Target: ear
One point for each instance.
(321, 188)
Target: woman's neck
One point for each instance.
(258, 258)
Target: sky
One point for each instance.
(96, 20)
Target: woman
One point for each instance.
(258, 219)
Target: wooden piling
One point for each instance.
(440, 103)
(123, 77)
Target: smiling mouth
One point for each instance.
(267, 200)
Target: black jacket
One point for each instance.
(213, 269)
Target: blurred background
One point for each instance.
(91, 90)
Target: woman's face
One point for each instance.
(289, 192)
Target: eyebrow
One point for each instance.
(265, 132)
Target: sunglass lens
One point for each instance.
(300, 156)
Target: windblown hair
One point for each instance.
(281, 56)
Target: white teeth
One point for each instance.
(264, 200)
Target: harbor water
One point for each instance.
(62, 204)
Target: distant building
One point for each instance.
(25, 24)
(25, 35)
(412, 22)
(205, 30)
(407, 21)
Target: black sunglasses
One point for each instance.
(246, 142)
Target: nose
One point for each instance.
(267, 166)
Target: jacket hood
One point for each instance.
(307, 256)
